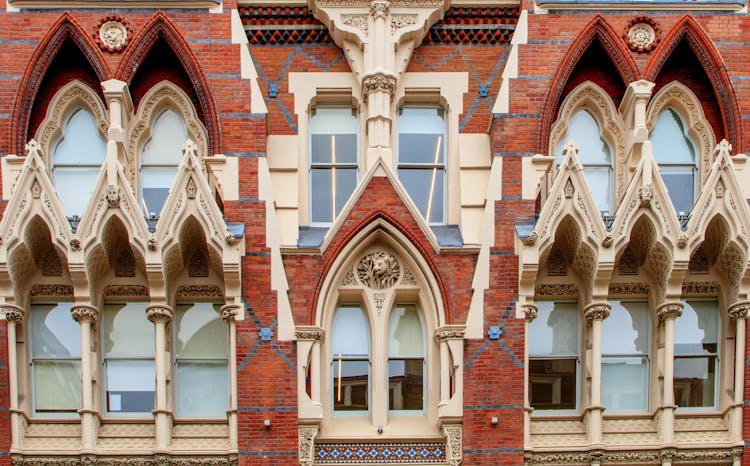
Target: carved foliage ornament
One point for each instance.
(307, 444)
(83, 313)
(378, 83)
(113, 33)
(669, 310)
(597, 311)
(378, 270)
(642, 34)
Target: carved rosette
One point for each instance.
(378, 270)
(84, 313)
(597, 311)
(739, 310)
(229, 312)
(159, 313)
(669, 310)
(12, 313)
(454, 444)
(378, 83)
(642, 34)
(309, 332)
(113, 33)
(450, 332)
(530, 311)
(307, 445)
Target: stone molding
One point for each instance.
(96, 460)
(631, 457)
(450, 332)
(309, 332)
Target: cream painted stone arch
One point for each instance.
(160, 97)
(679, 97)
(66, 101)
(589, 96)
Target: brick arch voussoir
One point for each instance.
(688, 29)
(337, 247)
(597, 29)
(66, 27)
(160, 27)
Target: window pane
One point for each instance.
(418, 183)
(127, 331)
(350, 332)
(626, 330)
(624, 383)
(599, 181)
(74, 186)
(57, 385)
(168, 135)
(584, 131)
(81, 143)
(350, 380)
(552, 383)
(334, 120)
(202, 389)
(694, 381)
(696, 330)
(555, 330)
(406, 384)
(333, 148)
(200, 332)
(346, 181)
(680, 183)
(155, 184)
(421, 135)
(671, 145)
(54, 333)
(130, 386)
(322, 191)
(405, 335)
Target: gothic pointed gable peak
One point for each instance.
(191, 196)
(34, 195)
(380, 169)
(112, 195)
(570, 197)
(647, 195)
(722, 196)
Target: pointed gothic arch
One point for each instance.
(160, 27)
(688, 29)
(596, 30)
(66, 28)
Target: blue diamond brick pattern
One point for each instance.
(385, 453)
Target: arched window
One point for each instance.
(76, 160)
(595, 156)
(406, 360)
(696, 355)
(675, 153)
(350, 365)
(159, 158)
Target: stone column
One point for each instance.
(595, 313)
(530, 312)
(738, 312)
(667, 313)
(160, 315)
(14, 316)
(451, 341)
(309, 339)
(87, 315)
(229, 314)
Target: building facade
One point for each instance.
(374, 232)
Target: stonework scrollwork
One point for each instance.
(637, 288)
(84, 313)
(307, 445)
(378, 83)
(113, 33)
(454, 444)
(125, 290)
(378, 270)
(692, 288)
(304, 332)
(199, 290)
(633, 457)
(556, 290)
(51, 290)
(402, 21)
(450, 332)
(157, 460)
(669, 310)
(597, 311)
(355, 21)
(380, 8)
(11, 312)
(159, 313)
(642, 34)
(739, 310)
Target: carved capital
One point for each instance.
(312, 333)
(159, 313)
(597, 311)
(669, 310)
(229, 312)
(12, 313)
(450, 332)
(378, 83)
(739, 310)
(529, 311)
(84, 313)
(380, 8)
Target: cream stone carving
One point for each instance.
(160, 460)
(113, 196)
(669, 310)
(355, 21)
(693, 288)
(454, 444)
(190, 189)
(402, 21)
(38, 290)
(309, 333)
(11, 312)
(159, 313)
(597, 311)
(628, 288)
(379, 299)
(408, 278)
(378, 83)
(125, 290)
(556, 289)
(229, 312)
(307, 445)
(349, 279)
(641, 36)
(83, 312)
(450, 332)
(199, 290)
(36, 190)
(530, 311)
(739, 310)
(113, 35)
(69, 98)
(378, 270)
(161, 96)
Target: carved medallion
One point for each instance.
(378, 270)
(113, 33)
(642, 34)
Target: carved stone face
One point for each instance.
(380, 266)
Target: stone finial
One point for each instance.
(669, 310)
(571, 148)
(722, 148)
(33, 147)
(530, 311)
(739, 310)
(84, 313)
(12, 313)
(597, 311)
(159, 313)
(190, 148)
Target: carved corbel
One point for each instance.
(84, 313)
(307, 445)
(159, 313)
(12, 313)
(597, 311)
(454, 444)
(739, 310)
(669, 310)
